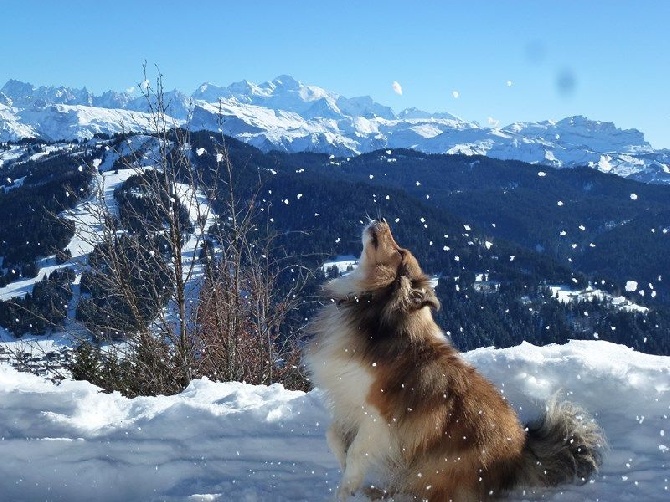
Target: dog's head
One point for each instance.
(386, 269)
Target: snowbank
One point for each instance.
(231, 441)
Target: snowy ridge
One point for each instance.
(55, 122)
(231, 441)
(287, 115)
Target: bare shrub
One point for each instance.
(180, 315)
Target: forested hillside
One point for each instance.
(464, 216)
(523, 227)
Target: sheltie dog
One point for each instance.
(406, 404)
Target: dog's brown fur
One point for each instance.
(405, 402)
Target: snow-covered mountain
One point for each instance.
(288, 115)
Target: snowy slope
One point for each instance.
(285, 114)
(231, 441)
(12, 128)
(56, 122)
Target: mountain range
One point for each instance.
(287, 115)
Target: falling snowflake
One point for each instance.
(631, 286)
(633, 196)
(559, 203)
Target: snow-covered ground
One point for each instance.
(237, 442)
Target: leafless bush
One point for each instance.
(249, 292)
(182, 317)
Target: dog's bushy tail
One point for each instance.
(563, 446)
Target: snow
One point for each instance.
(87, 214)
(565, 294)
(342, 263)
(233, 441)
(82, 122)
(19, 288)
(12, 153)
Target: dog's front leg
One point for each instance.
(336, 439)
(367, 447)
(356, 463)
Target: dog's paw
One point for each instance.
(375, 493)
(344, 492)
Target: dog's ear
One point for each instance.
(424, 297)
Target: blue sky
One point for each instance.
(490, 61)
